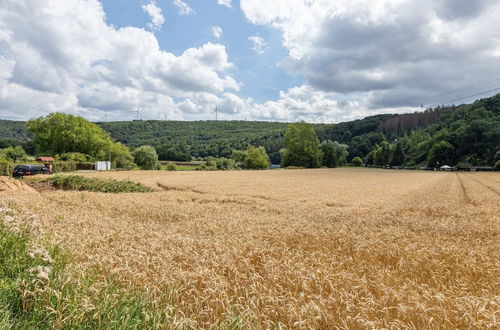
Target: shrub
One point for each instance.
(497, 165)
(171, 166)
(14, 154)
(146, 158)
(256, 159)
(224, 164)
(6, 167)
(357, 161)
(59, 167)
(81, 183)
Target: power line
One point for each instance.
(467, 88)
(464, 98)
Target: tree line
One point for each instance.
(462, 135)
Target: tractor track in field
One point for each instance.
(465, 195)
(495, 191)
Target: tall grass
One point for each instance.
(38, 291)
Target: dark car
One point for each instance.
(22, 170)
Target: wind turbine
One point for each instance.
(216, 112)
(137, 112)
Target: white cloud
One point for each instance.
(407, 51)
(217, 32)
(70, 60)
(226, 3)
(155, 14)
(258, 44)
(184, 8)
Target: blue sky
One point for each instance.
(260, 74)
(281, 60)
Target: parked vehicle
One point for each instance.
(28, 169)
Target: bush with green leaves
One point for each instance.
(6, 167)
(497, 165)
(357, 161)
(14, 154)
(171, 166)
(82, 183)
(146, 158)
(224, 164)
(256, 159)
(58, 167)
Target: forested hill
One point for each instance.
(465, 134)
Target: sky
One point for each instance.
(281, 60)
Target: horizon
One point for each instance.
(283, 61)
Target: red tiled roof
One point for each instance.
(46, 159)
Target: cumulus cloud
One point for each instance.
(396, 53)
(258, 44)
(183, 8)
(155, 14)
(70, 60)
(217, 32)
(226, 3)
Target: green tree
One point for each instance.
(14, 154)
(256, 158)
(239, 156)
(301, 146)
(440, 154)
(334, 153)
(357, 161)
(121, 157)
(73, 157)
(146, 158)
(382, 155)
(398, 156)
(60, 133)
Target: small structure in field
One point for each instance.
(46, 161)
(103, 166)
(446, 168)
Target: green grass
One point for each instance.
(94, 301)
(81, 183)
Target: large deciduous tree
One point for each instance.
(60, 133)
(146, 157)
(334, 153)
(301, 146)
(441, 154)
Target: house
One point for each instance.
(47, 161)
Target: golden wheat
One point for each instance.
(349, 248)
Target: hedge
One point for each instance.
(6, 167)
(63, 167)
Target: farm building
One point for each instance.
(47, 161)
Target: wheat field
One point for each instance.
(326, 248)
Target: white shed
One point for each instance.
(103, 166)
